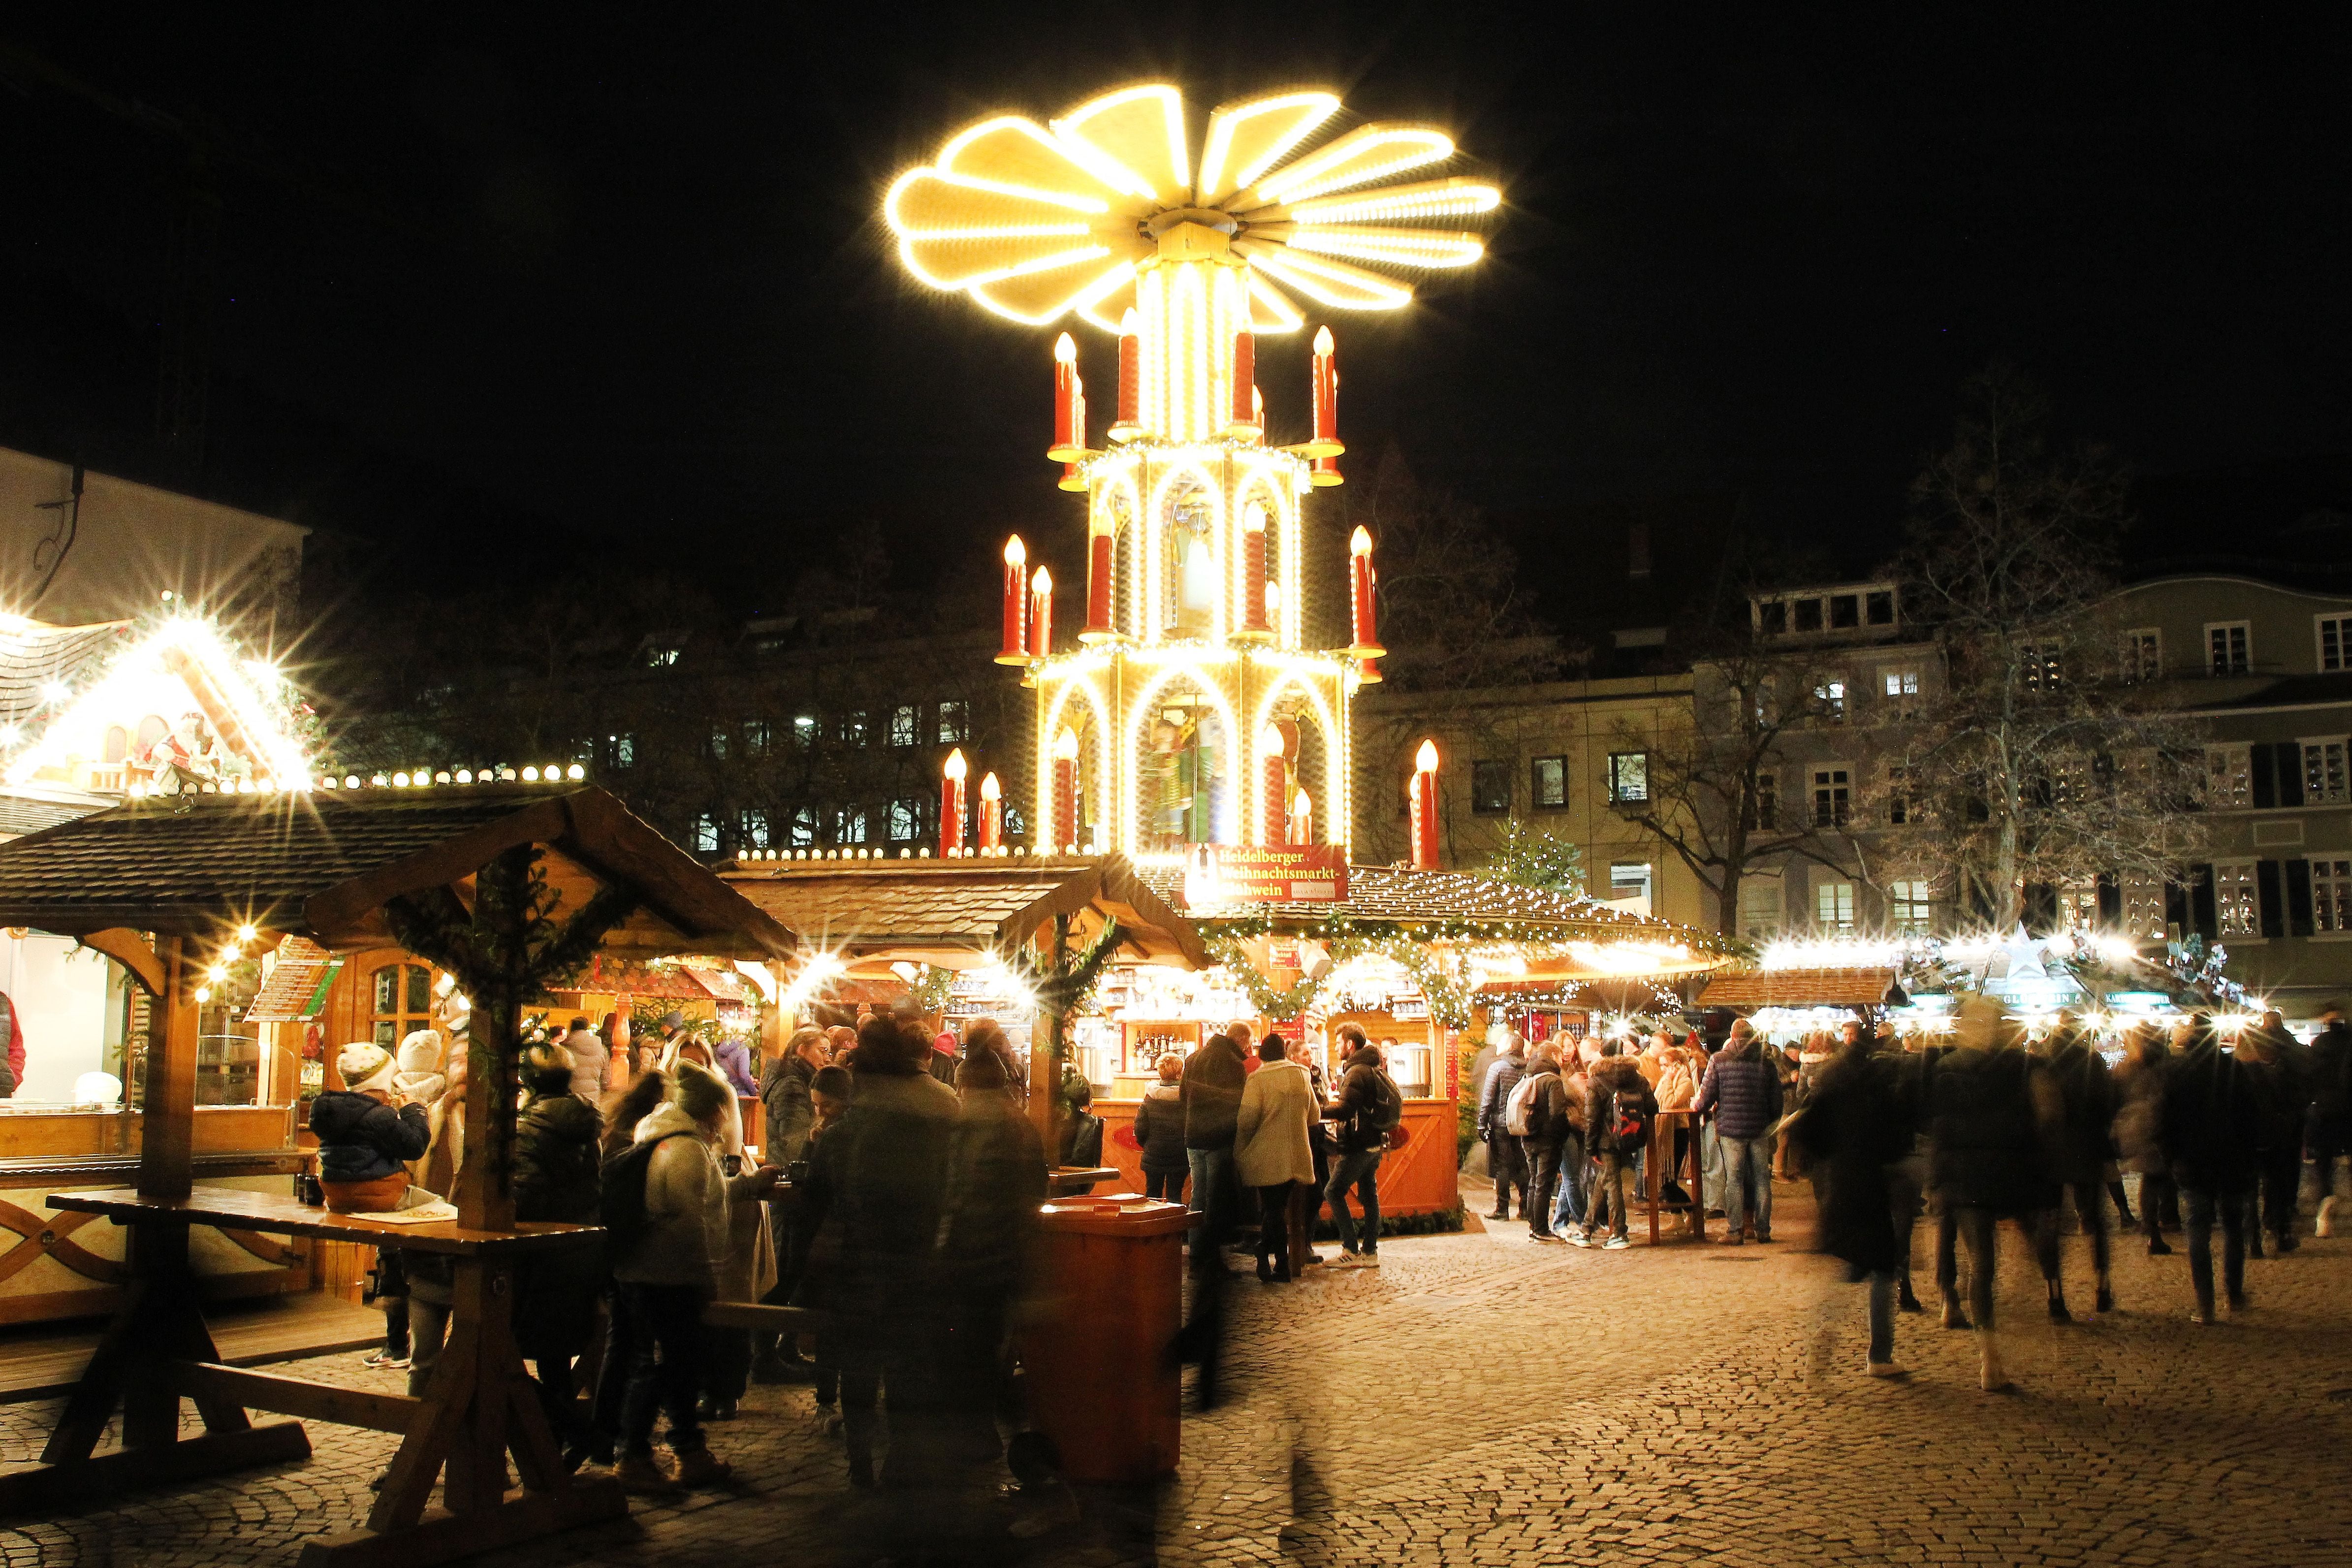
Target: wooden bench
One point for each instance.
(1691, 1173)
(480, 1407)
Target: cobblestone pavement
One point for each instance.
(1483, 1401)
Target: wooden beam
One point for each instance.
(128, 949)
(297, 1397)
(168, 1128)
(755, 1315)
(57, 1489)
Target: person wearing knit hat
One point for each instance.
(367, 1134)
(420, 1077)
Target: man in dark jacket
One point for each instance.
(1364, 1093)
(1545, 1141)
(1505, 1162)
(2331, 1106)
(1160, 1132)
(2281, 1069)
(2211, 1124)
(1859, 1124)
(2085, 1151)
(1211, 1099)
(1744, 1092)
(1621, 1111)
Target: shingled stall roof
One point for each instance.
(322, 865)
(958, 914)
(1800, 988)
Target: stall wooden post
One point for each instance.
(168, 1128)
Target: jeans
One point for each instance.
(1747, 1169)
(1542, 1155)
(1882, 1314)
(1609, 1194)
(667, 1339)
(1977, 1226)
(1510, 1165)
(2090, 1207)
(2282, 1174)
(1213, 1200)
(1360, 1171)
(2156, 1193)
(1168, 1185)
(2204, 1204)
(1273, 1227)
(1906, 1180)
(1712, 1164)
(1567, 1209)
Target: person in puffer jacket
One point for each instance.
(557, 1177)
(367, 1136)
(1744, 1092)
(666, 1277)
(1618, 1091)
(1160, 1132)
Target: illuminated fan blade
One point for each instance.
(1367, 153)
(1133, 138)
(1246, 138)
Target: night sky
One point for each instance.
(520, 283)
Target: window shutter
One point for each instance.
(2111, 902)
(2298, 898)
(2202, 902)
(2176, 907)
(2268, 897)
(2290, 771)
(2265, 778)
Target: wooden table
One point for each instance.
(1077, 1181)
(479, 1406)
(1662, 1155)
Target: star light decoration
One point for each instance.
(1036, 221)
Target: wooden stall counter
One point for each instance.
(1421, 1178)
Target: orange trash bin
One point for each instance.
(1094, 1355)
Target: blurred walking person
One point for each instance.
(1860, 1122)
(2138, 1082)
(2277, 1065)
(2212, 1123)
(996, 1183)
(2085, 1154)
(2331, 1107)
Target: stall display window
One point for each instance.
(403, 993)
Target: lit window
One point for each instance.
(403, 1002)
(853, 728)
(2143, 657)
(2144, 910)
(2236, 909)
(1490, 788)
(1902, 692)
(1906, 907)
(1829, 701)
(906, 819)
(2229, 777)
(1834, 907)
(659, 655)
(1547, 779)
(706, 835)
(955, 723)
(805, 731)
(2331, 895)
(755, 829)
(719, 744)
(1832, 797)
(906, 726)
(1016, 827)
(2229, 647)
(804, 827)
(1766, 816)
(2324, 778)
(2038, 663)
(755, 736)
(849, 824)
(1629, 777)
(620, 751)
(2078, 906)
(1629, 885)
(2336, 642)
(1760, 906)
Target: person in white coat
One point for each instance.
(1271, 1151)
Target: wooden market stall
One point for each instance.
(496, 878)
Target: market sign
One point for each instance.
(1278, 874)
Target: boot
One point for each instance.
(2106, 1301)
(1954, 1318)
(643, 1473)
(2326, 1226)
(1990, 1376)
(2058, 1313)
(699, 1467)
(1907, 1298)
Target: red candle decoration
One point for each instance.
(1098, 582)
(1252, 568)
(1063, 830)
(1274, 769)
(1131, 379)
(1326, 397)
(1245, 378)
(1041, 613)
(1425, 807)
(991, 814)
(1361, 584)
(1273, 605)
(1069, 420)
(951, 805)
(1016, 602)
(1302, 819)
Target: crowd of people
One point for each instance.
(898, 1194)
(1972, 1128)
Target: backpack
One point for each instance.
(1626, 1119)
(1388, 1112)
(1519, 1108)
(621, 1208)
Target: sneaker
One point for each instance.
(644, 1473)
(1578, 1238)
(1763, 1236)
(1616, 1243)
(2159, 1247)
(701, 1467)
(1883, 1369)
(1369, 1260)
(716, 1410)
(1734, 1240)
(384, 1360)
(1346, 1260)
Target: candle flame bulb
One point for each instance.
(956, 765)
(1322, 342)
(1068, 351)
(1017, 553)
(1426, 760)
(989, 788)
(1065, 746)
(1359, 543)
